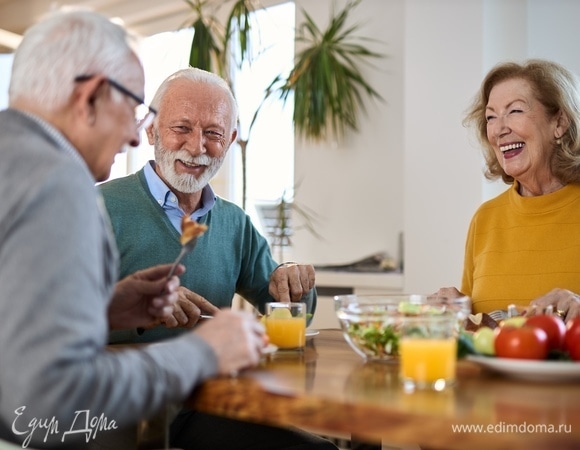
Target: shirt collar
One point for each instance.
(167, 199)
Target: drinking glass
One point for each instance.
(428, 351)
(286, 325)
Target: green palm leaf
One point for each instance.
(212, 45)
(204, 48)
(328, 87)
(239, 27)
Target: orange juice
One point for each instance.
(424, 361)
(286, 332)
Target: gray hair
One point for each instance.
(199, 76)
(67, 43)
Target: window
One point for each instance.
(161, 54)
(271, 146)
(5, 68)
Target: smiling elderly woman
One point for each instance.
(523, 246)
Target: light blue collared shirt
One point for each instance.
(168, 200)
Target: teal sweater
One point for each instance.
(230, 257)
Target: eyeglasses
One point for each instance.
(144, 114)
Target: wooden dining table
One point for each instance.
(329, 389)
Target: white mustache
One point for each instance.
(202, 160)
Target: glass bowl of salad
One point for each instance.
(371, 323)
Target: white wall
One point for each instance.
(553, 31)
(356, 186)
(413, 167)
(442, 66)
(410, 168)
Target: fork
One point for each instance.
(185, 249)
(498, 315)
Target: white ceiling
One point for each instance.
(144, 17)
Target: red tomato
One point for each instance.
(521, 343)
(572, 339)
(554, 328)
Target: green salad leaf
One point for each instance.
(376, 339)
(465, 344)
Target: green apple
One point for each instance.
(513, 322)
(483, 341)
(409, 308)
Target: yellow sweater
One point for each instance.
(519, 248)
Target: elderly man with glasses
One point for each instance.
(73, 96)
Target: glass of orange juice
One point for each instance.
(286, 325)
(428, 351)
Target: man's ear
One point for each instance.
(234, 136)
(86, 95)
(150, 133)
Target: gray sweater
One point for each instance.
(58, 264)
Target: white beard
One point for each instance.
(188, 184)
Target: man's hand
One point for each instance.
(187, 309)
(236, 337)
(144, 298)
(291, 281)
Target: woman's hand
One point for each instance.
(565, 304)
(449, 292)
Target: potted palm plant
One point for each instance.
(327, 86)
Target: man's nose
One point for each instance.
(195, 142)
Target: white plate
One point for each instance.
(530, 370)
(269, 349)
(310, 333)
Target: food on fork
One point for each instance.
(190, 229)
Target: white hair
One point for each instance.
(64, 45)
(199, 76)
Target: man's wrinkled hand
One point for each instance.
(144, 298)
(187, 309)
(236, 338)
(290, 282)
